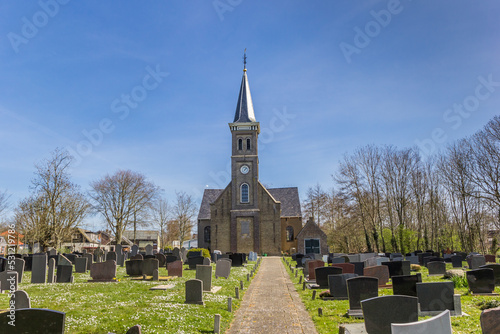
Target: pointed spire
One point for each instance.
(244, 108)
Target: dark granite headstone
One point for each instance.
(406, 285)
(134, 267)
(111, 256)
(64, 274)
(398, 268)
(19, 267)
(170, 258)
(90, 259)
(8, 280)
(322, 273)
(358, 267)
(238, 259)
(51, 274)
(161, 259)
(81, 265)
(137, 257)
(34, 321)
(475, 261)
(39, 268)
(361, 288)
(436, 268)
(380, 312)
(338, 285)
(481, 280)
(496, 271)
(422, 256)
(194, 261)
(456, 261)
(28, 262)
(134, 250)
(336, 260)
(194, 291)
(175, 268)
(149, 265)
(70, 257)
(435, 296)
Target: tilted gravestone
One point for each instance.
(63, 261)
(51, 275)
(19, 268)
(81, 265)
(456, 261)
(337, 284)
(322, 273)
(436, 296)
(347, 268)
(378, 316)
(175, 268)
(222, 268)
(39, 268)
(496, 271)
(358, 289)
(380, 272)
(481, 281)
(440, 324)
(436, 268)
(20, 299)
(8, 280)
(204, 273)
(194, 291)
(35, 321)
(103, 271)
(406, 285)
(313, 265)
(149, 265)
(134, 267)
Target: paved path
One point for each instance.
(271, 304)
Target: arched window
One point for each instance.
(289, 233)
(244, 193)
(240, 144)
(248, 144)
(206, 234)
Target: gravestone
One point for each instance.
(490, 321)
(252, 256)
(20, 299)
(490, 258)
(39, 268)
(52, 251)
(440, 324)
(149, 249)
(70, 257)
(436, 268)
(336, 260)
(496, 271)
(206, 261)
(305, 263)
(380, 260)
(337, 285)
(347, 268)
(380, 272)
(175, 268)
(313, 265)
(398, 268)
(204, 274)
(422, 256)
(194, 291)
(120, 256)
(435, 296)
(170, 258)
(358, 267)
(28, 262)
(364, 256)
(322, 273)
(456, 261)
(156, 275)
(222, 268)
(353, 258)
(103, 271)
(63, 261)
(111, 256)
(371, 262)
(392, 256)
(64, 274)
(98, 255)
(481, 280)
(176, 252)
(51, 276)
(134, 250)
(81, 265)
(194, 261)
(134, 267)
(19, 268)
(238, 259)
(406, 285)
(90, 259)
(134, 330)
(149, 265)
(145, 257)
(35, 321)
(161, 259)
(137, 257)
(8, 280)
(475, 261)
(358, 289)
(412, 258)
(378, 316)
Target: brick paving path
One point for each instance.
(271, 304)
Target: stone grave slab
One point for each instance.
(436, 268)
(193, 261)
(481, 281)
(149, 249)
(134, 267)
(162, 261)
(237, 259)
(322, 273)
(103, 271)
(475, 261)
(194, 291)
(81, 265)
(496, 271)
(378, 316)
(35, 321)
(440, 324)
(149, 265)
(64, 274)
(175, 268)
(39, 268)
(436, 296)
(456, 261)
(406, 285)
(8, 280)
(380, 272)
(337, 284)
(358, 289)
(204, 274)
(222, 269)
(111, 256)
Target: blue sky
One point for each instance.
(67, 68)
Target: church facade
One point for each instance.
(246, 216)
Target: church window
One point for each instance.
(240, 144)
(206, 234)
(289, 233)
(248, 144)
(244, 193)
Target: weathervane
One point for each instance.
(245, 60)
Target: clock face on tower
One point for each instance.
(244, 169)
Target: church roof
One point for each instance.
(209, 196)
(244, 108)
(290, 202)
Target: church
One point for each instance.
(246, 216)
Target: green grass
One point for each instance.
(334, 311)
(115, 307)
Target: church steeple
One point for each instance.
(244, 108)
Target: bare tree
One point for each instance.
(315, 204)
(160, 216)
(121, 197)
(183, 213)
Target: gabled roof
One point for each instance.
(311, 225)
(290, 202)
(209, 196)
(244, 108)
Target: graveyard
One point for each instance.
(330, 309)
(161, 303)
